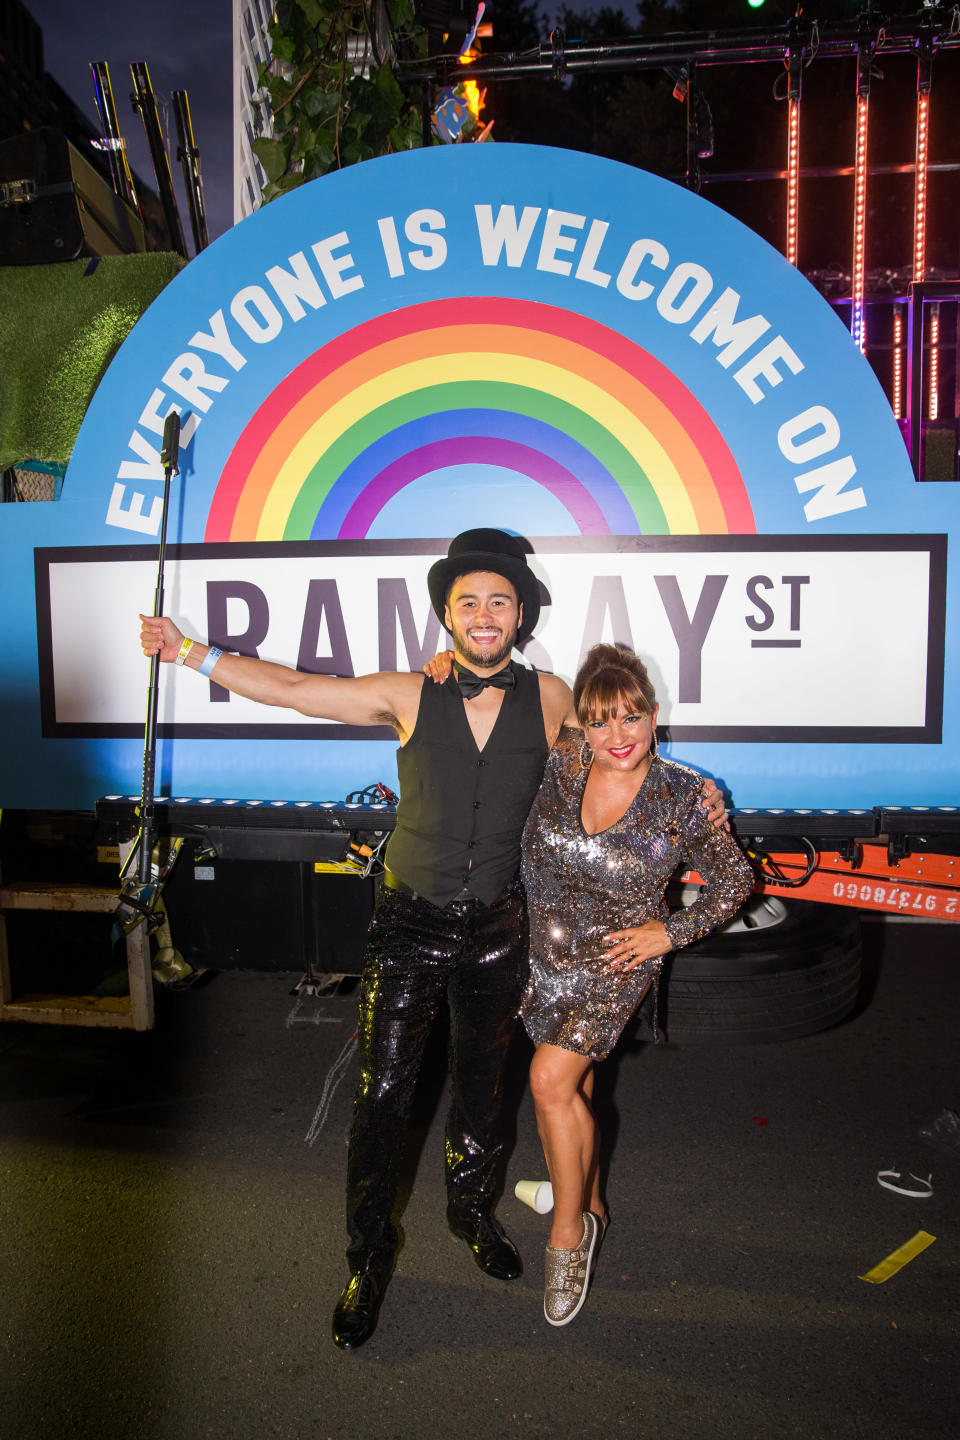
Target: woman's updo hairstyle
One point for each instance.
(611, 676)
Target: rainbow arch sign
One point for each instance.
(579, 352)
(546, 394)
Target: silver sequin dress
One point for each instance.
(580, 887)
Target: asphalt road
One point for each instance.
(171, 1241)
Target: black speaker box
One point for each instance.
(54, 206)
(267, 915)
(940, 450)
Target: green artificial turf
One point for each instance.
(60, 326)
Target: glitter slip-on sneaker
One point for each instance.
(568, 1275)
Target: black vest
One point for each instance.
(462, 810)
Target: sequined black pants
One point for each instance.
(417, 954)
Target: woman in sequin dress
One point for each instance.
(611, 823)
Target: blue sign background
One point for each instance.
(450, 182)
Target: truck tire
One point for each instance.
(781, 969)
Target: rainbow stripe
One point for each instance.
(540, 392)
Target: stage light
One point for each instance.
(857, 327)
(896, 398)
(793, 178)
(866, 48)
(920, 187)
(921, 158)
(473, 96)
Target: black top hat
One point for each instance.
(493, 551)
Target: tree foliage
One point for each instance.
(333, 95)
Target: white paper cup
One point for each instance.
(538, 1194)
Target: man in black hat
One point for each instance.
(451, 922)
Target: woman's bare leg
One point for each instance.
(592, 1187)
(568, 1135)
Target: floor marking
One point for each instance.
(899, 1258)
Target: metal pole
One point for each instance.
(915, 377)
(169, 459)
(692, 178)
(112, 139)
(145, 101)
(189, 157)
(426, 114)
(830, 39)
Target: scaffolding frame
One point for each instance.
(865, 38)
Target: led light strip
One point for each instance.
(924, 82)
(793, 177)
(920, 187)
(857, 327)
(920, 232)
(934, 361)
(897, 387)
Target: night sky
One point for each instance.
(187, 45)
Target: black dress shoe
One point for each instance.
(358, 1309)
(495, 1254)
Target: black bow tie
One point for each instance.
(471, 684)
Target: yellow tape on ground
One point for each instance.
(898, 1259)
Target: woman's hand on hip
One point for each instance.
(629, 948)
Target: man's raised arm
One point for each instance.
(382, 699)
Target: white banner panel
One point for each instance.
(747, 638)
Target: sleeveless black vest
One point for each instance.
(462, 810)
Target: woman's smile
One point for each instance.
(622, 741)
